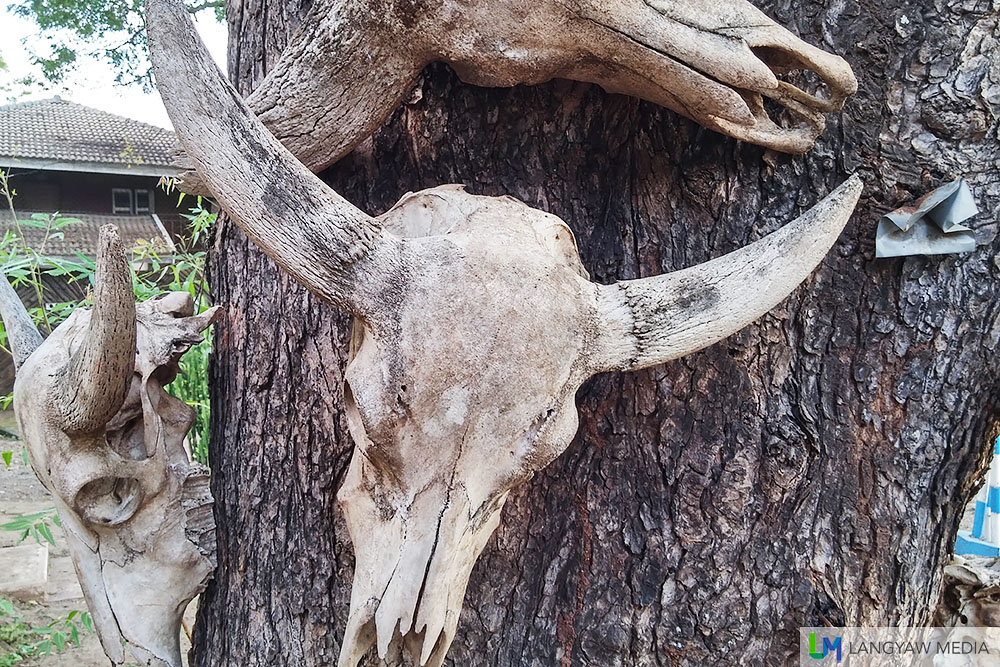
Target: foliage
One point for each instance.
(20, 641)
(191, 386)
(186, 272)
(34, 525)
(112, 31)
(26, 266)
(157, 269)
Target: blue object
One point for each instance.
(979, 519)
(967, 545)
(987, 503)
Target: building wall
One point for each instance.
(77, 192)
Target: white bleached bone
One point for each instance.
(108, 442)
(476, 325)
(714, 62)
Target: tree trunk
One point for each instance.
(811, 469)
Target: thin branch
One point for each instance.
(208, 4)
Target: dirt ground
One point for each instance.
(21, 493)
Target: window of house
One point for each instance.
(143, 201)
(121, 201)
(131, 202)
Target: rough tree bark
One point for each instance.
(811, 469)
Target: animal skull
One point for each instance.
(714, 62)
(107, 441)
(467, 389)
(970, 594)
(476, 326)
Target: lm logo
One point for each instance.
(828, 647)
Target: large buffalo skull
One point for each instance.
(108, 442)
(476, 322)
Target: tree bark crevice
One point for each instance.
(810, 469)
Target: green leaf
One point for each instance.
(65, 221)
(19, 523)
(7, 457)
(88, 263)
(27, 519)
(46, 532)
(87, 622)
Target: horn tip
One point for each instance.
(853, 185)
(213, 314)
(843, 200)
(108, 235)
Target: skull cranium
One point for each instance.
(476, 326)
(108, 442)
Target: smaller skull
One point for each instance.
(108, 442)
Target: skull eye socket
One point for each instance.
(109, 501)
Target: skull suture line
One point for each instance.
(477, 323)
(107, 441)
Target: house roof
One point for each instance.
(58, 134)
(83, 237)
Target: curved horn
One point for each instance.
(652, 320)
(345, 57)
(22, 336)
(98, 375)
(324, 242)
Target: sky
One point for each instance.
(92, 84)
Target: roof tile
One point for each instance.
(60, 130)
(84, 237)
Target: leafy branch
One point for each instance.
(36, 525)
(72, 28)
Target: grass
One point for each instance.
(20, 641)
